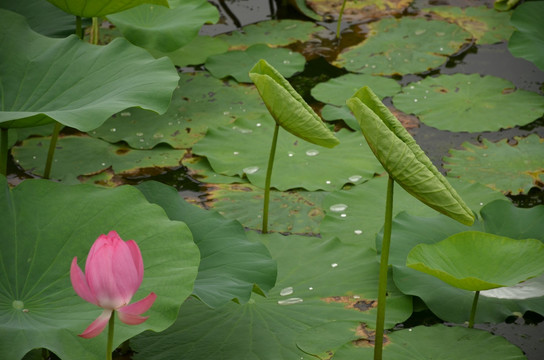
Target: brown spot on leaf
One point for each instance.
(506, 91)
(367, 337)
(122, 151)
(352, 302)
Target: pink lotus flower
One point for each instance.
(113, 273)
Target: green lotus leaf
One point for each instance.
(44, 226)
(241, 148)
(358, 10)
(504, 5)
(453, 304)
(332, 113)
(238, 63)
(472, 103)
(350, 340)
(288, 108)
(200, 169)
(317, 281)
(163, 29)
(486, 25)
(403, 159)
(508, 168)
(195, 52)
(301, 6)
(72, 82)
(96, 8)
(404, 46)
(77, 156)
(528, 40)
(478, 261)
(272, 32)
(231, 266)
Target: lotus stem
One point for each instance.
(94, 32)
(109, 345)
(340, 19)
(384, 267)
(4, 151)
(268, 177)
(473, 311)
(51, 152)
(79, 30)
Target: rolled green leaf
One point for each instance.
(96, 8)
(476, 261)
(403, 158)
(288, 108)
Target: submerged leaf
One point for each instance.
(403, 159)
(288, 108)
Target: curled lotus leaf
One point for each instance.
(476, 261)
(95, 8)
(288, 108)
(403, 159)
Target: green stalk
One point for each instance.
(268, 177)
(3, 151)
(473, 311)
(384, 266)
(109, 345)
(79, 30)
(51, 152)
(340, 19)
(94, 32)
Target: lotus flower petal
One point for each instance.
(98, 325)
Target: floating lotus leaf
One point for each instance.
(196, 51)
(294, 212)
(331, 113)
(288, 108)
(73, 82)
(335, 91)
(242, 148)
(272, 32)
(317, 281)
(486, 25)
(96, 8)
(404, 46)
(201, 101)
(350, 340)
(231, 266)
(508, 168)
(403, 159)
(199, 168)
(451, 303)
(238, 63)
(43, 17)
(470, 103)
(164, 29)
(528, 39)
(358, 10)
(359, 223)
(478, 261)
(79, 155)
(44, 226)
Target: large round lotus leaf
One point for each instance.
(164, 29)
(404, 46)
(448, 302)
(272, 32)
(358, 10)
(294, 212)
(317, 281)
(199, 168)
(231, 266)
(44, 226)
(357, 215)
(528, 39)
(332, 113)
(199, 102)
(288, 108)
(96, 8)
(73, 82)
(243, 148)
(238, 63)
(403, 159)
(80, 155)
(486, 25)
(43, 17)
(478, 261)
(196, 51)
(508, 168)
(470, 103)
(337, 90)
(351, 341)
